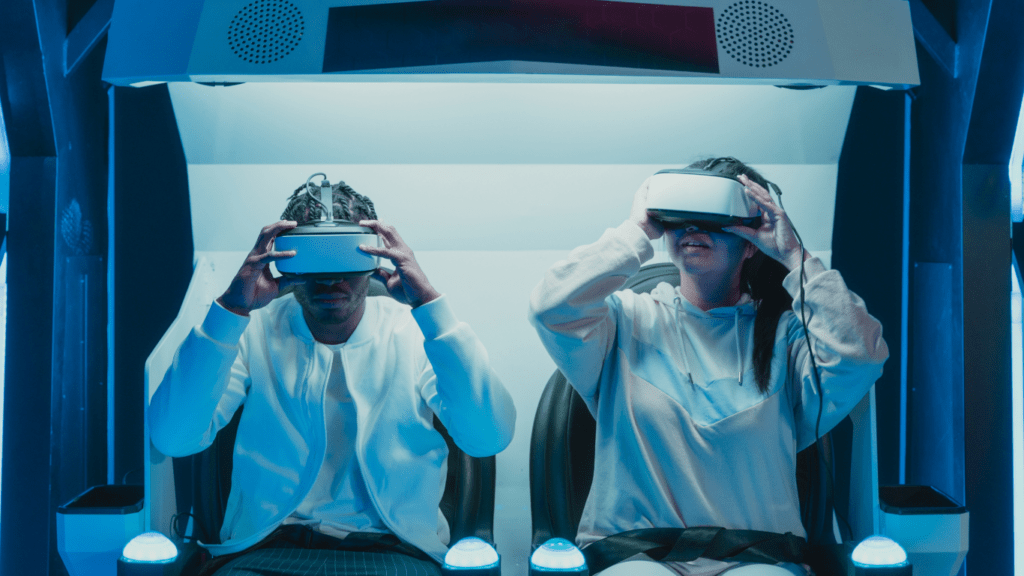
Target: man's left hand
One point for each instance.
(407, 283)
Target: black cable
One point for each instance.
(178, 531)
(814, 368)
(328, 211)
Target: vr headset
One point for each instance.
(328, 248)
(688, 197)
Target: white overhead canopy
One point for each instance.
(820, 42)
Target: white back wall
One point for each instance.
(492, 183)
(475, 206)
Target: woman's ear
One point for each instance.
(749, 250)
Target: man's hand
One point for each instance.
(254, 286)
(638, 215)
(408, 283)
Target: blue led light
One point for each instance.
(557, 554)
(150, 547)
(471, 552)
(878, 551)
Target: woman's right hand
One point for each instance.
(254, 287)
(638, 215)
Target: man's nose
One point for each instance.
(330, 281)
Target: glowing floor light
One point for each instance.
(880, 556)
(148, 554)
(560, 556)
(150, 547)
(471, 557)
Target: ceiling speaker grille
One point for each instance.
(755, 33)
(266, 31)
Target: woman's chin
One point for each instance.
(696, 262)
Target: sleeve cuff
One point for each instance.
(224, 326)
(435, 318)
(812, 267)
(635, 237)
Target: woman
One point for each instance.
(704, 394)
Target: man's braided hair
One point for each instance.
(348, 205)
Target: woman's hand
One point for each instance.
(775, 237)
(638, 215)
(407, 283)
(254, 286)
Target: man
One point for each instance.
(336, 449)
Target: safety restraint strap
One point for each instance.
(686, 544)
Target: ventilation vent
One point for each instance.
(266, 31)
(755, 33)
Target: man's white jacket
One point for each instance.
(402, 368)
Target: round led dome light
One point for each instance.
(150, 547)
(557, 554)
(471, 552)
(879, 551)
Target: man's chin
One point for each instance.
(334, 315)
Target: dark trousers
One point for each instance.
(298, 550)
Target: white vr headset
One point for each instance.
(328, 248)
(678, 196)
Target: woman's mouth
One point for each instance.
(694, 243)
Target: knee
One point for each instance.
(765, 570)
(637, 568)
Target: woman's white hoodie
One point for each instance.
(684, 436)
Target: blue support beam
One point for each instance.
(87, 34)
(934, 38)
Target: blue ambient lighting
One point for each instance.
(150, 547)
(471, 552)
(1015, 171)
(1017, 396)
(878, 551)
(557, 554)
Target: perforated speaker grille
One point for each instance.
(755, 33)
(266, 31)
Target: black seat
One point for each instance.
(562, 455)
(203, 482)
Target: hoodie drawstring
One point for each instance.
(684, 338)
(686, 347)
(739, 349)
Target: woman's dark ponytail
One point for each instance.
(763, 280)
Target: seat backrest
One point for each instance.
(562, 454)
(203, 483)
